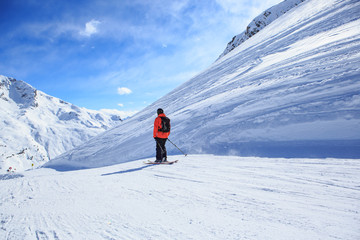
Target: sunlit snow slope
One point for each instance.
(291, 90)
(246, 198)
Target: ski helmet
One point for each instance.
(159, 111)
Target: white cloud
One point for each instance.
(120, 105)
(90, 28)
(123, 90)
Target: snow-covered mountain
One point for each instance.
(36, 127)
(293, 86)
(292, 90)
(260, 22)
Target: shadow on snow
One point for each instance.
(127, 171)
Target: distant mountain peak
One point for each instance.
(36, 127)
(18, 91)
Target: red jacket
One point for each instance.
(157, 126)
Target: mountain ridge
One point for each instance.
(260, 22)
(36, 127)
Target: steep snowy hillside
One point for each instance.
(291, 90)
(36, 127)
(260, 22)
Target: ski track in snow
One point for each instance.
(200, 197)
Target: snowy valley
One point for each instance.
(272, 132)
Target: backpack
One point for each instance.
(165, 124)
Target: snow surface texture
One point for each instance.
(200, 197)
(260, 22)
(36, 127)
(292, 90)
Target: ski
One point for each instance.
(164, 163)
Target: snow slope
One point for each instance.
(260, 22)
(36, 127)
(291, 90)
(200, 197)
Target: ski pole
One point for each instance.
(177, 147)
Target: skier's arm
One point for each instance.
(156, 127)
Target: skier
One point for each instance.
(161, 134)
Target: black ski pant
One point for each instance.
(161, 149)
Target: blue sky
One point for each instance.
(116, 54)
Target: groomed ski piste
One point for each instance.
(199, 197)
